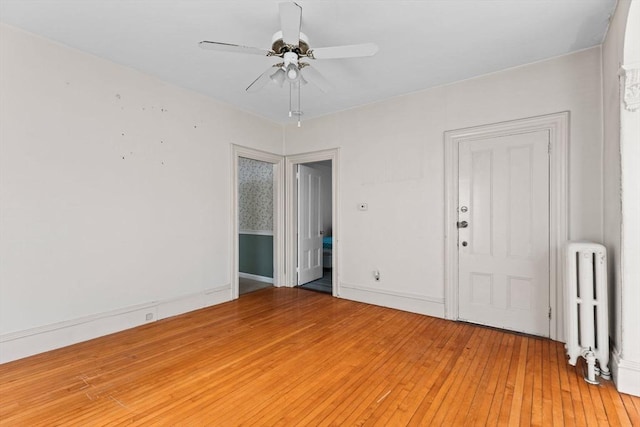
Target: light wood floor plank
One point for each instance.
(423, 376)
(445, 359)
(632, 408)
(375, 392)
(548, 383)
(499, 392)
(537, 406)
(436, 413)
(518, 387)
(510, 385)
(568, 415)
(294, 357)
(467, 385)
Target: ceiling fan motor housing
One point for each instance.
(280, 47)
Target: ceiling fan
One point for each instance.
(293, 47)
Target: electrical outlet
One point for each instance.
(149, 316)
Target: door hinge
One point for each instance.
(297, 175)
(549, 312)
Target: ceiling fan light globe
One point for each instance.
(292, 72)
(278, 77)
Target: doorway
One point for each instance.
(506, 213)
(255, 222)
(313, 235)
(258, 220)
(315, 226)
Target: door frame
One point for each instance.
(558, 127)
(292, 209)
(277, 161)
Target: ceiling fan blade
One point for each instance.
(348, 51)
(290, 20)
(263, 79)
(234, 48)
(312, 75)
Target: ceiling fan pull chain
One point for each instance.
(290, 109)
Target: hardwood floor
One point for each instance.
(293, 357)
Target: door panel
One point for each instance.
(309, 224)
(481, 173)
(503, 263)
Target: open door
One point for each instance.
(310, 230)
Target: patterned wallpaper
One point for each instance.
(255, 181)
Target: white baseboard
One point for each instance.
(414, 303)
(32, 341)
(257, 278)
(626, 374)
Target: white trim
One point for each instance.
(32, 341)
(558, 127)
(291, 209)
(263, 279)
(414, 303)
(411, 295)
(626, 374)
(279, 272)
(257, 232)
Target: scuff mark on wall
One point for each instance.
(144, 141)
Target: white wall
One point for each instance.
(392, 158)
(115, 193)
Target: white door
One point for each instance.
(503, 252)
(309, 225)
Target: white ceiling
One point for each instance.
(422, 43)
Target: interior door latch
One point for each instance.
(462, 224)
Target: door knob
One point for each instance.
(463, 224)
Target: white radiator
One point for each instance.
(586, 318)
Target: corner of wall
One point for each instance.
(626, 374)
